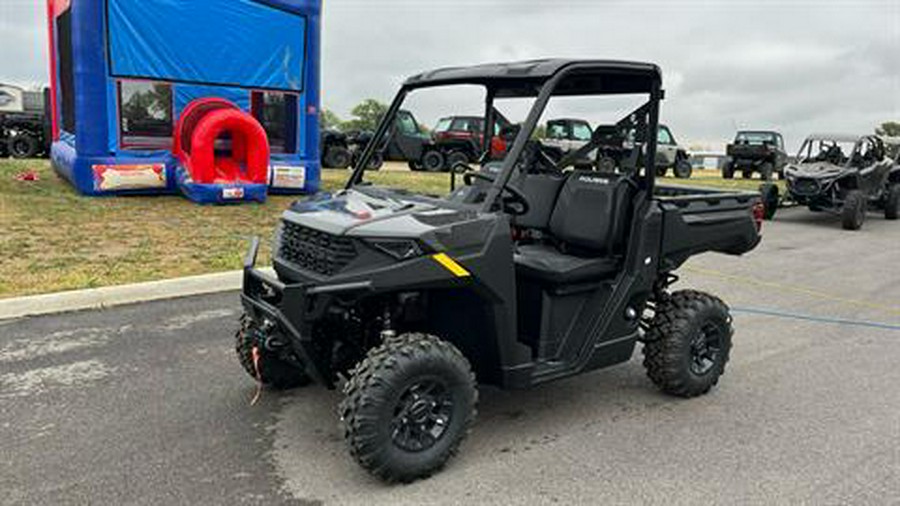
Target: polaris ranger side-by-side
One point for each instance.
(529, 272)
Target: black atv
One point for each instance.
(842, 174)
(759, 152)
(335, 149)
(529, 272)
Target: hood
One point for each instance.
(815, 170)
(375, 212)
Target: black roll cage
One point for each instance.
(546, 87)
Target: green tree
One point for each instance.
(366, 115)
(329, 119)
(889, 128)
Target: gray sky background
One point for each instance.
(797, 65)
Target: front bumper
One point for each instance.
(291, 310)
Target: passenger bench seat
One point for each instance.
(590, 222)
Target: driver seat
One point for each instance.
(589, 226)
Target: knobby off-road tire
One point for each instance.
(683, 169)
(728, 171)
(892, 203)
(770, 199)
(433, 161)
(454, 159)
(688, 343)
(408, 406)
(853, 214)
(23, 146)
(376, 162)
(273, 371)
(337, 158)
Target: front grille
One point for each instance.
(805, 186)
(314, 250)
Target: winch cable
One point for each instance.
(254, 353)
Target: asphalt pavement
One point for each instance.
(146, 404)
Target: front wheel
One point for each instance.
(23, 146)
(433, 161)
(728, 171)
(683, 169)
(337, 157)
(853, 214)
(407, 407)
(688, 343)
(892, 203)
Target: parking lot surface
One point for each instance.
(146, 404)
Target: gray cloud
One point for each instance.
(797, 65)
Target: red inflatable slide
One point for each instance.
(202, 124)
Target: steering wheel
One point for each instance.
(515, 203)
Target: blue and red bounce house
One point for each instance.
(216, 99)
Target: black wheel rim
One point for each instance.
(422, 416)
(706, 347)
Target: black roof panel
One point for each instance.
(519, 79)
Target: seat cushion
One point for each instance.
(545, 263)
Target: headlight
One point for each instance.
(401, 249)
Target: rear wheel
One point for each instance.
(455, 159)
(414, 166)
(892, 202)
(408, 406)
(269, 369)
(337, 157)
(376, 162)
(23, 146)
(661, 171)
(770, 198)
(853, 214)
(683, 169)
(433, 161)
(728, 170)
(688, 343)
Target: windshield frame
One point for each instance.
(545, 90)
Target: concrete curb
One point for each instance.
(98, 298)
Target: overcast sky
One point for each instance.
(796, 65)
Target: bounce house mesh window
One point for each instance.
(277, 114)
(66, 70)
(145, 114)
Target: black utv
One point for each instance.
(529, 272)
(752, 152)
(845, 175)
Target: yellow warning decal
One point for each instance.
(451, 265)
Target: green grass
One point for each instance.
(54, 239)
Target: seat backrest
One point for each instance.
(541, 191)
(593, 212)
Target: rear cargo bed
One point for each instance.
(697, 220)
